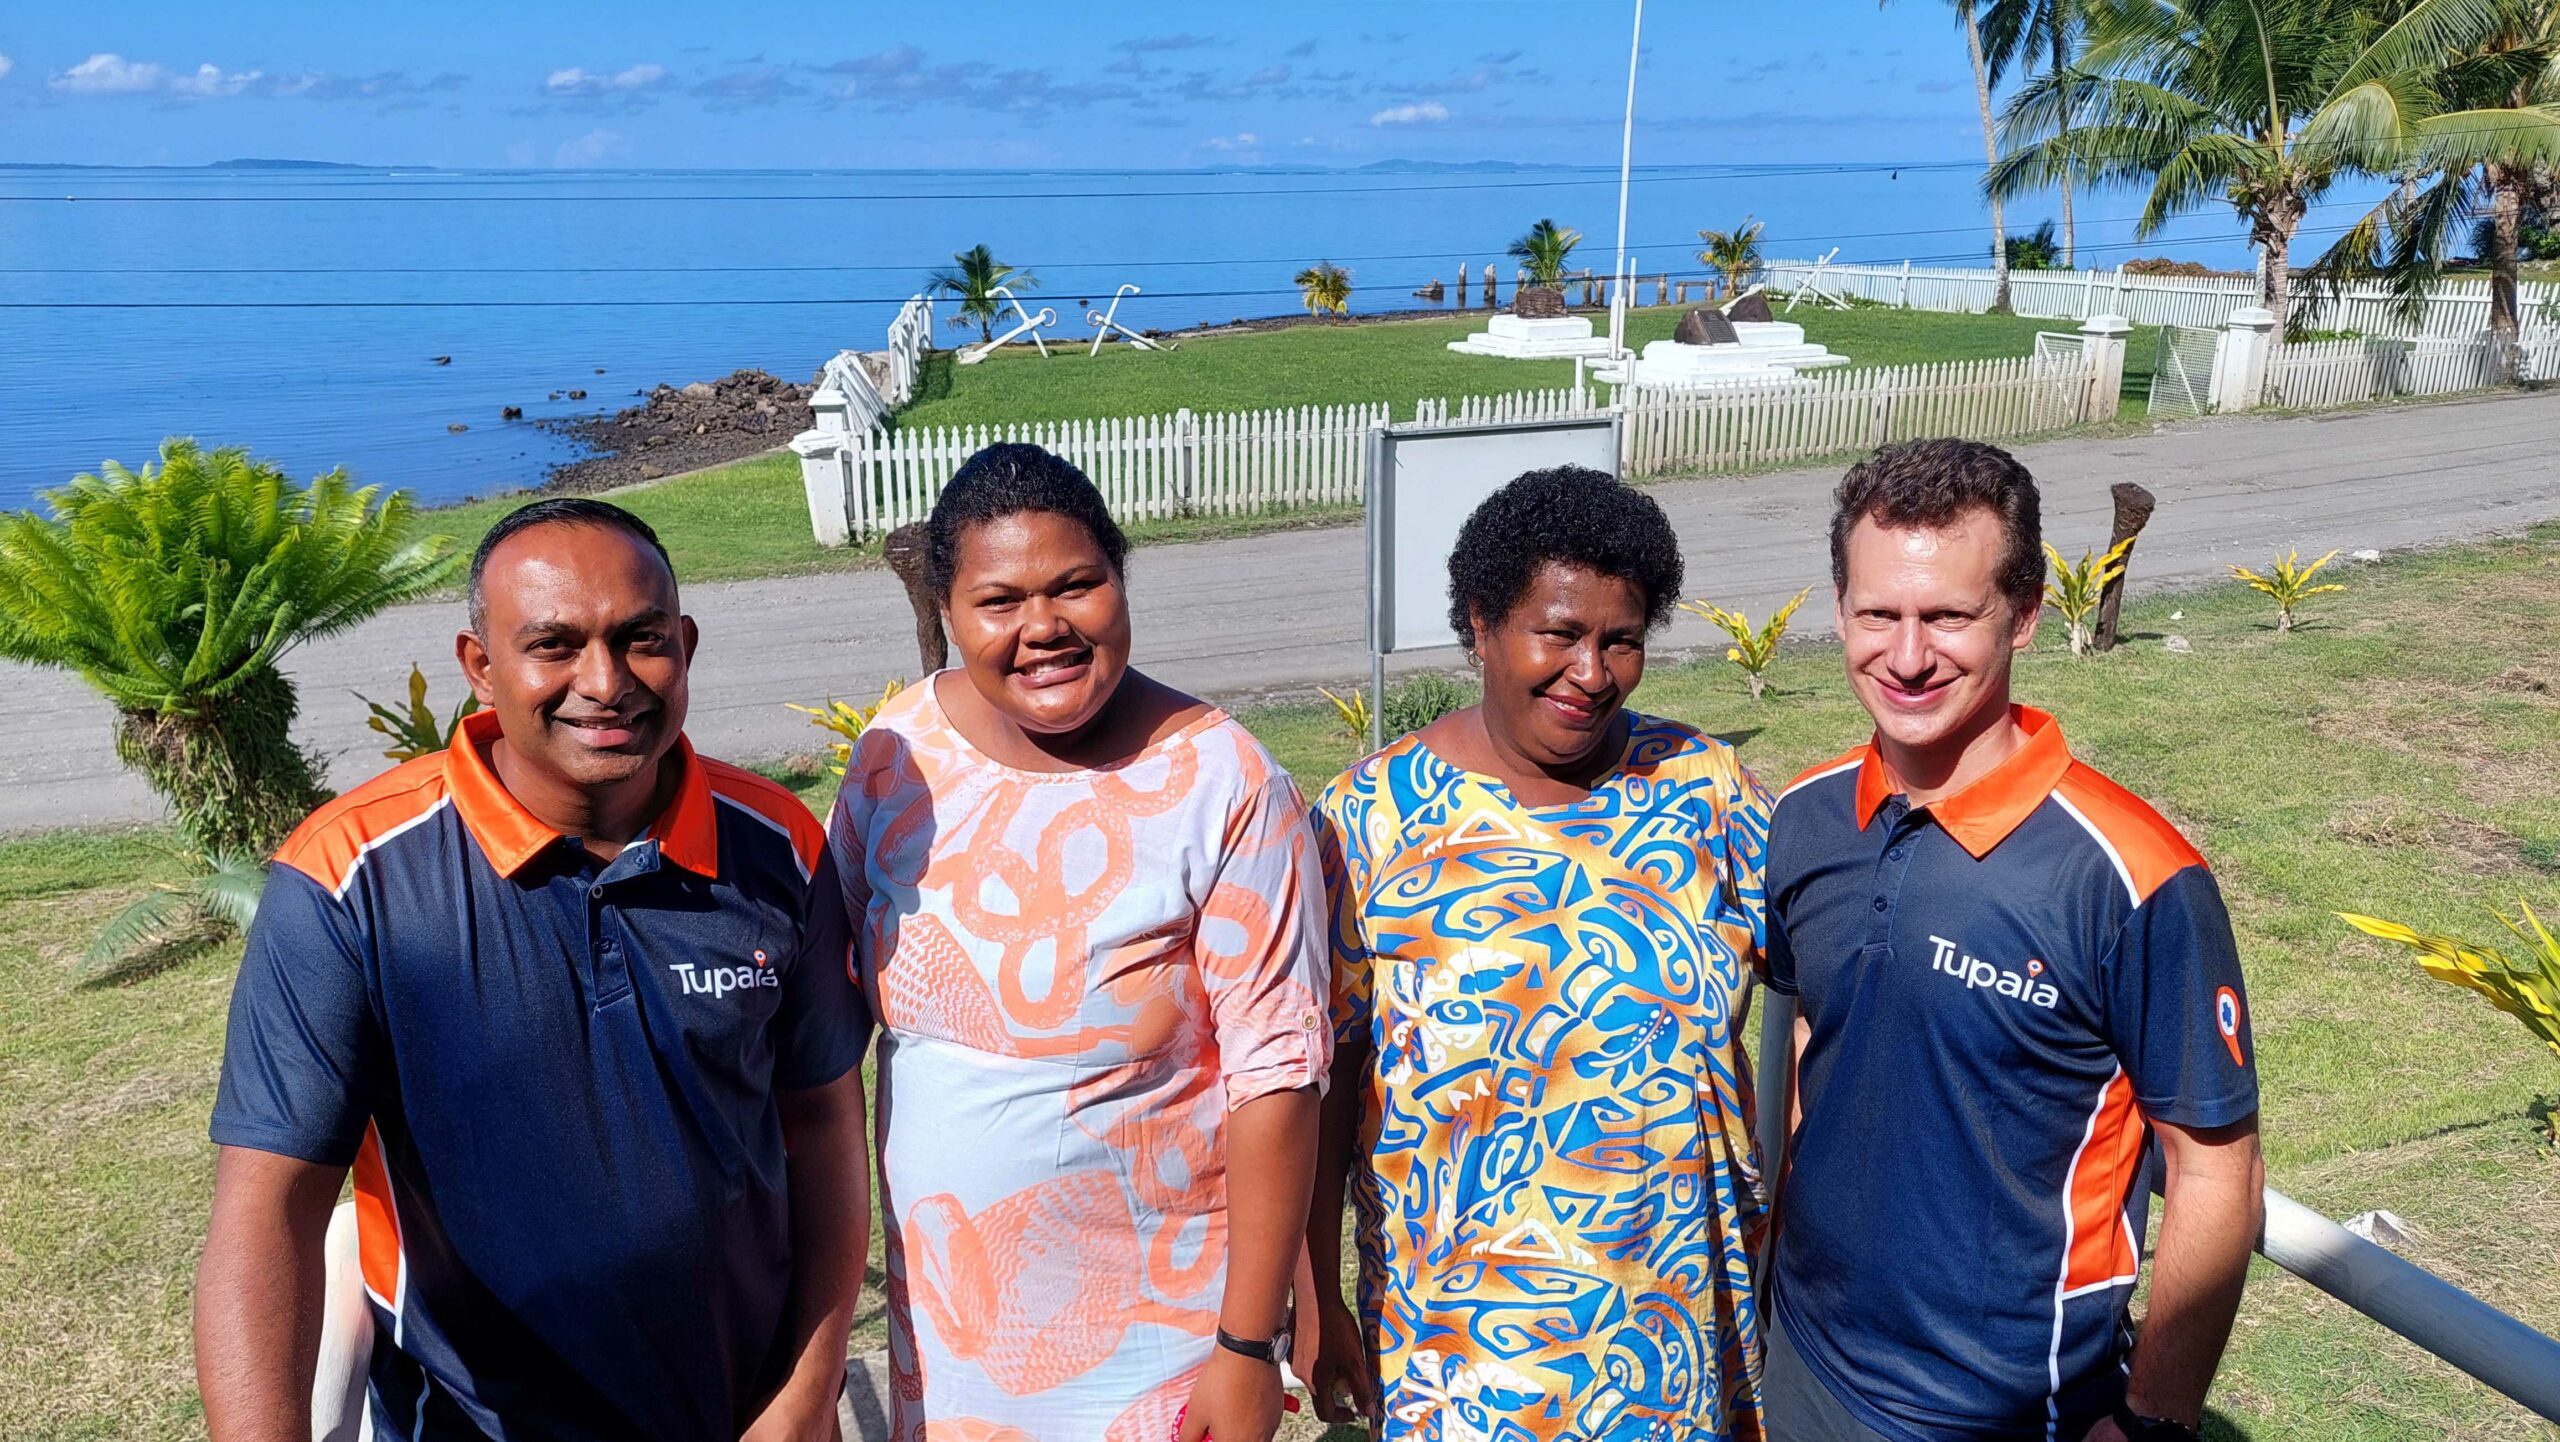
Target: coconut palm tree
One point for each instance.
(1542, 251)
(2478, 169)
(1325, 287)
(972, 279)
(2036, 250)
(2016, 34)
(2263, 105)
(175, 590)
(1732, 254)
(1966, 22)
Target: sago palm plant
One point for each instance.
(1543, 250)
(175, 919)
(175, 590)
(1325, 287)
(1732, 254)
(972, 279)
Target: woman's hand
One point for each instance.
(1338, 1375)
(1235, 1399)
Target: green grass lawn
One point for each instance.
(751, 519)
(2399, 755)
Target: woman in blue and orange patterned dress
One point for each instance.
(1545, 910)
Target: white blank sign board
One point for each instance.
(1424, 481)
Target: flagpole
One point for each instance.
(1626, 163)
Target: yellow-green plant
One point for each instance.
(847, 721)
(416, 732)
(2289, 582)
(2076, 590)
(1351, 713)
(2526, 987)
(1752, 650)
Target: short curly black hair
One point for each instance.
(1008, 479)
(1568, 515)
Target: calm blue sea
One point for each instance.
(298, 312)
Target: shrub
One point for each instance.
(2076, 590)
(1351, 714)
(1422, 698)
(1751, 650)
(847, 721)
(2289, 582)
(2526, 987)
(175, 590)
(416, 732)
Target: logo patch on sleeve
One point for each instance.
(2226, 1020)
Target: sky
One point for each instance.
(852, 84)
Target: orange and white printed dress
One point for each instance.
(1077, 976)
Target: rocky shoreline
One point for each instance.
(678, 429)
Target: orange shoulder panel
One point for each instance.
(2151, 848)
(326, 845)
(771, 801)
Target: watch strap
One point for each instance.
(2138, 1428)
(1275, 1350)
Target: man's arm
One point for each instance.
(830, 1171)
(2214, 1209)
(258, 1294)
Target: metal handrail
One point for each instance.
(2440, 1318)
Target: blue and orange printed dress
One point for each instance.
(1555, 1180)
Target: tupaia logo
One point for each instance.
(719, 981)
(1977, 974)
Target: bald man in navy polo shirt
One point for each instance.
(572, 1003)
(2020, 996)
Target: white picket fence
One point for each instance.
(2309, 375)
(1147, 467)
(910, 336)
(848, 400)
(1237, 462)
(2457, 308)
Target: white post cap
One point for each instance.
(2106, 324)
(2252, 317)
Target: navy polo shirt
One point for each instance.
(554, 1079)
(2004, 989)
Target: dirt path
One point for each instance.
(1242, 618)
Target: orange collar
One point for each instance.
(687, 833)
(1982, 813)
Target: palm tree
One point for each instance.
(174, 591)
(2017, 32)
(1982, 99)
(2263, 105)
(1542, 251)
(974, 275)
(2489, 160)
(1732, 254)
(173, 918)
(2035, 250)
(1325, 287)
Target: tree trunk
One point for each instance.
(904, 550)
(2133, 507)
(235, 782)
(2506, 224)
(2273, 231)
(1990, 157)
(985, 332)
(2062, 62)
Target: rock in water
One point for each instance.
(1705, 327)
(1431, 292)
(457, 427)
(512, 413)
(577, 395)
(1538, 302)
(443, 360)
(1751, 306)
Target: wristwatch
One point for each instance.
(1275, 1351)
(2138, 1428)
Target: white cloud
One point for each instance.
(576, 80)
(1422, 113)
(107, 74)
(1241, 140)
(6, 65)
(589, 150)
(211, 81)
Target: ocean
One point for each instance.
(302, 312)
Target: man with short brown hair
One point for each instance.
(2020, 995)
